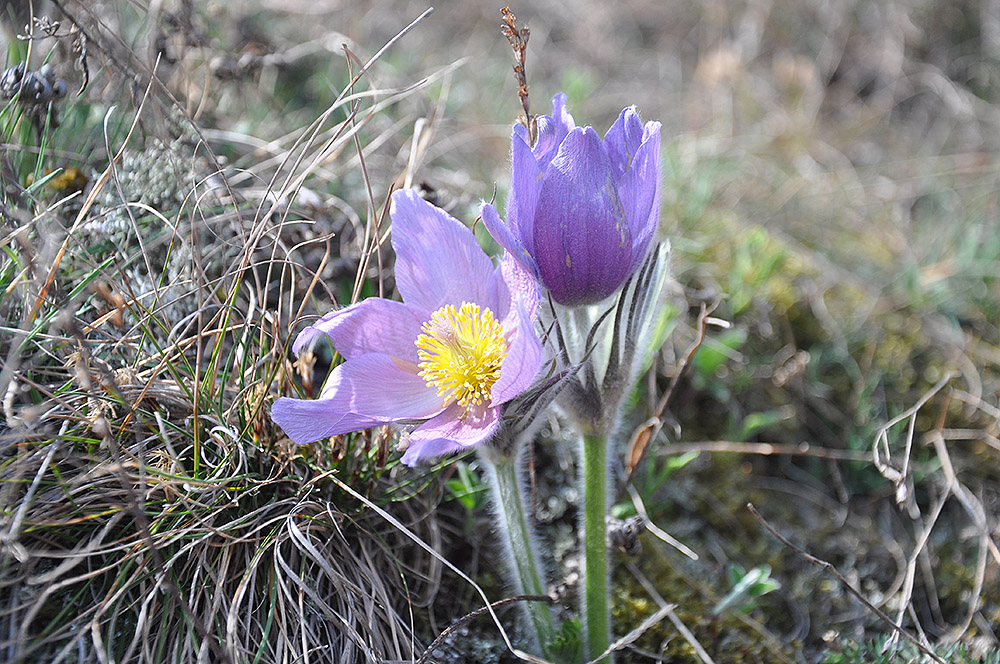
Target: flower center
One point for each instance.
(461, 352)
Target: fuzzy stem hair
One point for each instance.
(595, 600)
(519, 543)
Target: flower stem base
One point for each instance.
(522, 554)
(597, 618)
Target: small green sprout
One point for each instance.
(567, 645)
(467, 488)
(746, 587)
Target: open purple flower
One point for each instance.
(460, 345)
(581, 210)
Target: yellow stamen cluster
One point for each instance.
(461, 352)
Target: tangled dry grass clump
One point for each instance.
(213, 177)
(121, 563)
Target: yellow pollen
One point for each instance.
(461, 352)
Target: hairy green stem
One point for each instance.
(597, 619)
(522, 554)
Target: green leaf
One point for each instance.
(467, 488)
(754, 423)
(567, 645)
(715, 351)
(755, 583)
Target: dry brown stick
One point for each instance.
(475, 614)
(764, 449)
(375, 226)
(518, 38)
(974, 509)
(844, 582)
(644, 434)
(699, 340)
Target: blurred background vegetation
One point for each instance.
(200, 179)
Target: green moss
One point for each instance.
(727, 638)
(882, 651)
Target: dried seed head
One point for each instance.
(518, 38)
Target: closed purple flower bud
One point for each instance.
(581, 211)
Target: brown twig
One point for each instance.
(699, 340)
(645, 434)
(518, 38)
(80, 39)
(764, 449)
(844, 582)
(475, 614)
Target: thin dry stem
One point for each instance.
(518, 38)
(846, 584)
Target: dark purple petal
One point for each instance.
(524, 356)
(518, 272)
(650, 129)
(546, 140)
(520, 131)
(438, 260)
(361, 393)
(552, 130)
(525, 184)
(563, 120)
(374, 325)
(500, 231)
(505, 238)
(583, 244)
(639, 192)
(623, 140)
(453, 430)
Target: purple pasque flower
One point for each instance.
(581, 210)
(460, 345)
